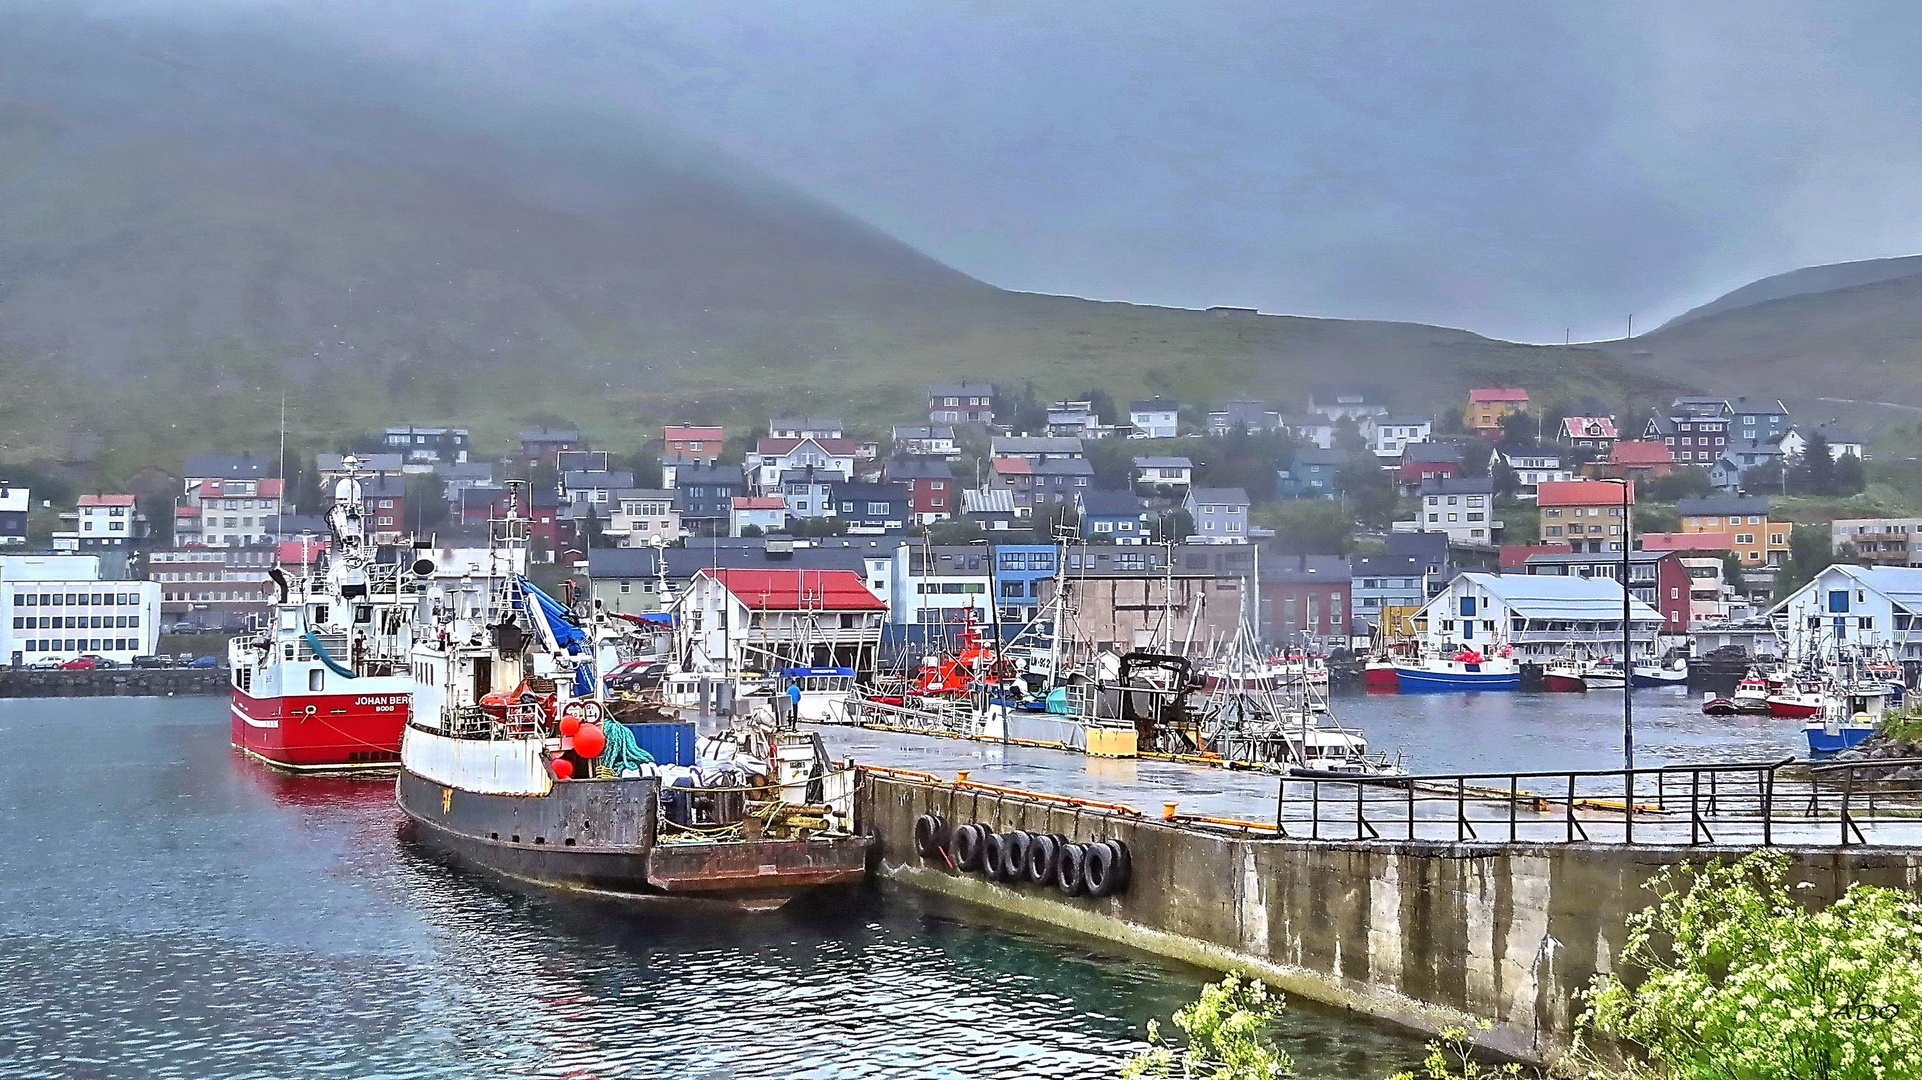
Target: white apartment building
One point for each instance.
(221, 513)
(57, 607)
(1534, 468)
(641, 518)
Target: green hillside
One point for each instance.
(196, 225)
(1861, 343)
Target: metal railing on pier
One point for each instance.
(1769, 803)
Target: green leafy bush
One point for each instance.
(1742, 982)
(1225, 1038)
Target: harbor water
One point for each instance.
(170, 910)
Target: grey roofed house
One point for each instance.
(597, 481)
(1156, 404)
(1035, 446)
(1458, 485)
(1163, 463)
(550, 435)
(1724, 506)
(1057, 467)
(1099, 502)
(961, 389)
(1219, 496)
(246, 466)
(1431, 453)
(919, 468)
(1306, 568)
(383, 487)
(1315, 455)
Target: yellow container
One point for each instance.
(1111, 742)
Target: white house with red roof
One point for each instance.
(763, 513)
(771, 457)
(105, 521)
(736, 620)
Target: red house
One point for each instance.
(1427, 461)
(1305, 600)
(692, 443)
(932, 493)
(1637, 459)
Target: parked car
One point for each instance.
(46, 663)
(205, 661)
(180, 628)
(78, 663)
(151, 662)
(100, 661)
(637, 675)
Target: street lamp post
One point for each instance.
(1628, 641)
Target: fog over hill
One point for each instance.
(203, 212)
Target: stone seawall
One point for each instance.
(117, 682)
(1430, 935)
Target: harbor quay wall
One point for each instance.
(115, 682)
(1426, 934)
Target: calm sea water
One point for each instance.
(167, 910)
(1541, 732)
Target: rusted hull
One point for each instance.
(599, 836)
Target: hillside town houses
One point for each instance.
(968, 517)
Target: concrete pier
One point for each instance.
(1427, 934)
(114, 682)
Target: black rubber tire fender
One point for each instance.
(1014, 855)
(1098, 868)
(1041, 855)
(1124, 865)
(1071, 870)
(930, 835)
(991, 852)
(965, 847)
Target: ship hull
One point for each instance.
(322, 732)
(1824, 741)
(1794, 708)
(1414, 679)
(1565, 683)
(600, 836)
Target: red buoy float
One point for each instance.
(563, 768)
(589, 740)
(570, 725)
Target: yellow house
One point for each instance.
(1754, 539)
(1488, 404)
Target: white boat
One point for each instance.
(1465, 670)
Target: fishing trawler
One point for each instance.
(1464, 669)
(323, 686)
(512, 762)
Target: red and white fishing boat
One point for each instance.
(1799, 699)
(1565, 674)
(325, 686)
(1751, 694)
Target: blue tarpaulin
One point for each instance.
(550, 611)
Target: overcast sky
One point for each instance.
(1521, 169)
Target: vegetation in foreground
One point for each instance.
(1735, 976)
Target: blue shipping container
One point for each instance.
(667, 743)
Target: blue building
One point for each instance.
(1314, 473)
(1019, 570)
(1113, 515)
